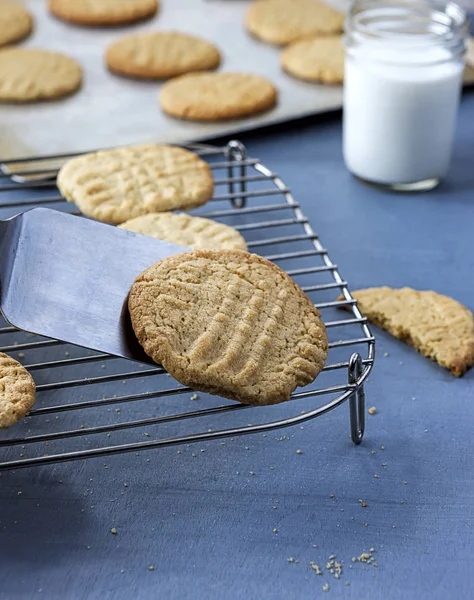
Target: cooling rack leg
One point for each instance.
(357, 400)
(236, 152)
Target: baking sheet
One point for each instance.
(111, 110)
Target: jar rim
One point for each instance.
(413, 24)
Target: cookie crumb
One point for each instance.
(299, 452)
(372, 410)
(113, 531)
(151, 568)
(315, 568)
(326, 587)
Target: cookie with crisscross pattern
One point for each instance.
(116, 185)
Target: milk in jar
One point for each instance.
(402, 83)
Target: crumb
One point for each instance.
(21, 355)
(292, 560)
(363, 504)
(405, 482)
(331, 495)
(372, 550)
(151, 568)
(382, 447)
(274, 530)
(299, 452)
(252, 473)
(374, 452)
(372, 410)
(326, 587)
(178, 452)
(113, 530)
(385, 354)
(346, 583)
(376, 476)
(194, 397)
(125, 485)
(384, 465)
(315, 568)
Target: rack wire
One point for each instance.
(81, 409)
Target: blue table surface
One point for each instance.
(208, 531)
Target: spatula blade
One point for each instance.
(68, 278)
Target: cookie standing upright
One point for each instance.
(116, 185)
(103, 12)
(27, 74)
(229, 323)
(16, 22)
(17, 391)
(192, 232)
(159, 55)
(284, 21)
(319, 59)
(438, 326)
(217, 96)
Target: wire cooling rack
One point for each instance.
(90, 404)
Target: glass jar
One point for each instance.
(402, 83)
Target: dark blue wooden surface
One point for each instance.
(207, 525)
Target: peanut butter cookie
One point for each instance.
(17, 391)
(229, 323)
(217, 96)
(318, 59)
(196, 233)
(438, 326)
(159, 55)
(284, 21)
(117, 185)
(28, 74)
(16, 22)
(103, 12)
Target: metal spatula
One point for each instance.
(68, 278)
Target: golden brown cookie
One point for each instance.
(17, 391)
(438, 326)
(468, 75)
(16, 22)
(117, 185)
(28, 74)
(318, 59)
(217, 96)
(196, 233)
(284, 21)
(159, 55)
(229, 323)
(103, 12)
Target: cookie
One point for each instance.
(468, 75)
(27, 75)
(438, 326)
(17, 391)
(196, 233)
(229, 323)
(103, 12)
(284, 21)
(217, 96)
(318, 59)
(117, 185)
(160, 55)
(16, 22)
